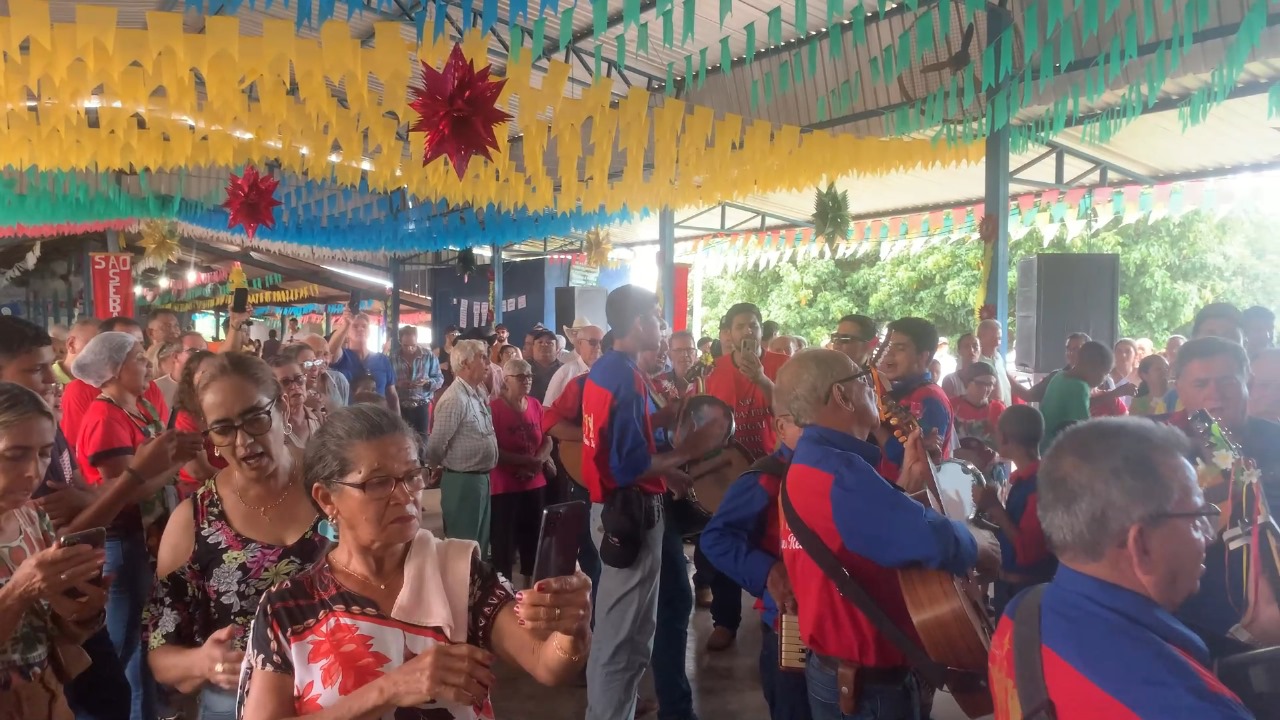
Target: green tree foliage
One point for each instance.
(1169, 268)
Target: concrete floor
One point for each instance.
(725, 684)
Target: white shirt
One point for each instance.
(168, 390)
(1002, 376)
(572, 368)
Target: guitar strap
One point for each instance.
(933, 672)
(1028, 665)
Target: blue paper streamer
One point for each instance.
(488, 15)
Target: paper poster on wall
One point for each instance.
(521, 302)
(484, 314)
(462, 313)
(509, 304)
(475, 314)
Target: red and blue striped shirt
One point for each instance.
(617, 437)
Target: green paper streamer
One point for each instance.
(668, 29)
(903, 61)
(887, 65)
(671, 80)
(1045, 71)
(859, 26)
(967, 85)
(882, 6)
(822, 108)
(539, 36)
(726, 57)
(621, 43)
(1089, 21)
(688, 70)
(988, 62)
(952, 92)
(690, 17)
(768, 87)
(663, 6)
(835, 41)
(775, 26)
(630, 13)
(1148, 19)
(1006, 54)
(751, 43)
(1202, 14)
(857, 85)
(944, 20)
(1030, 33)
(924, 34)
(599, 16)
(835, 10)
(973, 7)
(566, 27)
(642, 39)
(726, 7)
(755, 94)
(1052, 16)
(798, 66)
(875, 70)
(517, 43)
(801, 20)
(1066, 47)
(1115, 59)
(813, 59)
(702, 67)
(599, 58)
(784, 76)
(1112, 7)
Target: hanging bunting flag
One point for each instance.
(726, 7)
(775, 26)
(690, 20)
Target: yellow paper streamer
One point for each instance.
(697, 158)
(269, 297)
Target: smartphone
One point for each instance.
(750, 346)
(240, 300)
(353, 304)
(93, 537)
(558, 539)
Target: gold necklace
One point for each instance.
(333, 561)
(262, 509)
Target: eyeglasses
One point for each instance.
(842, 339)
(381, 487)
(291, 380)
(856, 376)
(522, 376)
(312, 364)
(1207, 512)
(255, 424)
(593, 342)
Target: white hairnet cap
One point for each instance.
(102, 357)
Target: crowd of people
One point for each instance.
(238, 534)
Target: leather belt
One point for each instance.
(873, 675)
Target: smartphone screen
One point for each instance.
(562, 527)
(240, 300)
(94, 537)
(354, 303)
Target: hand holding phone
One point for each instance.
(240, 300)
(558, 539)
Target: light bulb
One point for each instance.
(164, 281)
(137, 289)
(191, 275)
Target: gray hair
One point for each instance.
(168, 350)
(1102, 477)
(467, 350)
(517, 366)
(103, 357)
(804, 383)
(327, 459)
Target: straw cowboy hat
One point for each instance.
(579, 323)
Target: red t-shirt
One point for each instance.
(976, 421)
(752, 414)
(185, 422)
(78, 395)
(520, 433)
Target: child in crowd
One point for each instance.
(364, 389)
(1025, 556)
(975, 413)
(1154, 372)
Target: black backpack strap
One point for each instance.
(1028, 664)
(933, 672)
(770, 465)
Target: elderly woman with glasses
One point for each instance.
(300, 420)
(248, 528)
(393, 621)
(518, 482)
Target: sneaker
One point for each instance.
(721, 638)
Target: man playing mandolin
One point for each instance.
(873, 527)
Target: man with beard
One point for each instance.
(743, 380)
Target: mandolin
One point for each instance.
(949, 612)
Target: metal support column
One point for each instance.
(497, 284)
(667, 263)
(997, 193)
(86, 280)
(393, 306)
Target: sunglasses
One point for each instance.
(312, 364)
(841, 339)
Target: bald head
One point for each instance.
(989, 334)
(318, 346)
(818, 387)
(84, 330)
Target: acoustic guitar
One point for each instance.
(949, 612)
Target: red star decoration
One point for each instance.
(457, 109)
(251, 201)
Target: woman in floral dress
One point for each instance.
(393, 622)
(248, 528)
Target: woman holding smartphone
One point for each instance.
(50, 596)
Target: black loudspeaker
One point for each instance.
(1059, 294)
(576, 302)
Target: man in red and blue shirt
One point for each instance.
(1121, 507)
(912, 343)
(627, 478)
(742, 541)
(871, 525)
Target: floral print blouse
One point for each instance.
(333, 641)
(23, 533)
(223, 580)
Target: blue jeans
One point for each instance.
(899, 701)
(671, 641)
(129, 565)
(785, 691)
(217, 704)
(101, 692)
(726, 596)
